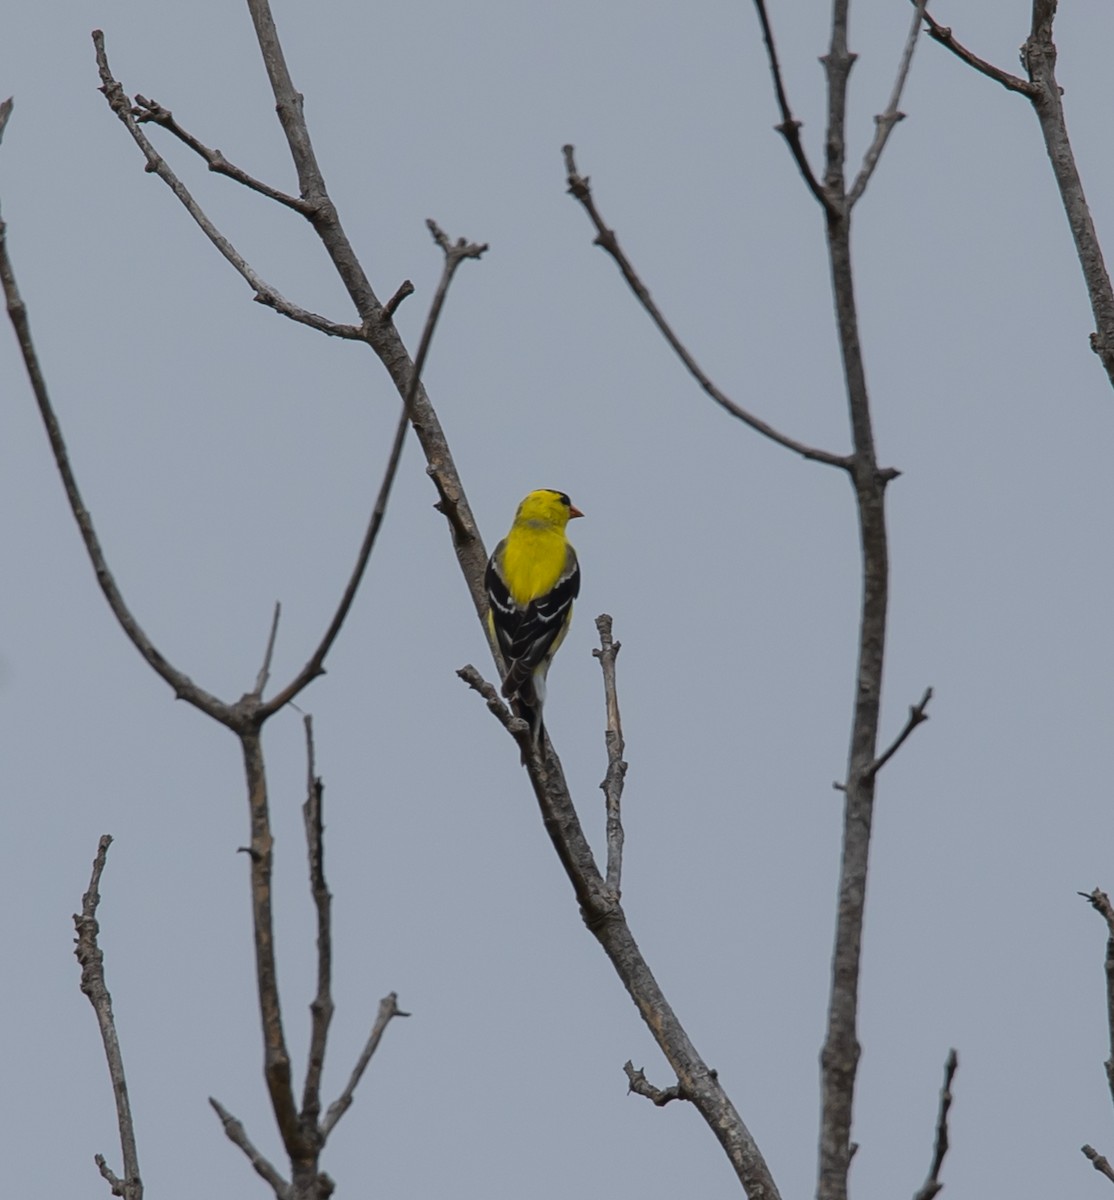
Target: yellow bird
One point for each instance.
(532, 579)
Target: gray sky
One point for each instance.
(230, 458)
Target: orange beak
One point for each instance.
(574, 512)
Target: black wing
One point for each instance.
(526, 635)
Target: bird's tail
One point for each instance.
(527, 704)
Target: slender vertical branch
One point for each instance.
(837, 64)
(276, 1057)
(612, 785)
(91, 958)
(790, 127)
(1100, 902)
(840, 1055)
(932, 1185)
(322, 1007)
(886, 120)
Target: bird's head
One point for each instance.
(547, 506)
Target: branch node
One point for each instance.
(639, 1084)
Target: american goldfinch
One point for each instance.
(532, 580)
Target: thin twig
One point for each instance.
(886, 120)
(322, 1008)
(234, 1129)
(184, 687)
(640, 1085)
(315, 666)
(612, 785)
(268, 654)
(490, 693)
(1100, 902)
(454, 255)
(943, 35)
(388, 1010)
(580, 189)
(449, 505)
(5, 113)
(932, 1184)
(150, 111)
(264, 293)
(1099, 1162)
(917, 716)
(790, 127)
(405, 288)
(93, 985)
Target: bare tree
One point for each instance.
(597, 890)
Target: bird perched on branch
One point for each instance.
(532, 580)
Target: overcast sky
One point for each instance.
(230, 459)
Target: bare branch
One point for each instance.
(643, 1087)
(604, 917)
(932, 1184)
(316, 663)
(1100, 902)
(612, 785)
(184, 687)
(149, 111)
(455, 254)
(91, 958)
(276, 1057)
(405, 288)
(515, 726)
(5, 113)
(268, 654)
(1099, 1162)
(605, 238)
(790, 127)
(917, 715)
(264, 293)
(236, 1134)
(388, 1010)
(943, 35)
(885, 121)
(1039, 57)
(321, 1009)
(839, 1057)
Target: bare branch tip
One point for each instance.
(405, 288)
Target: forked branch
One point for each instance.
(1043, 91)
(150, 111)
(790, 127)
(265, 294)
(887, 119)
